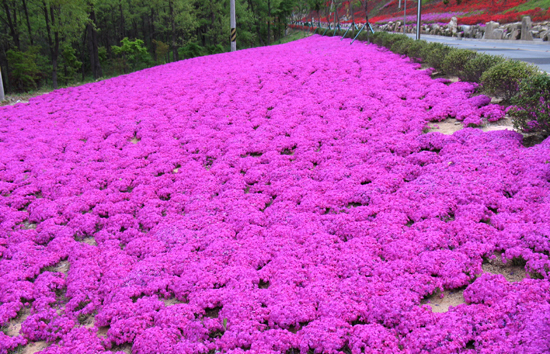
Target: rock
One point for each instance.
(498, 33)
(453, 25)
(545, 36)
(490, 29)
(526, 28)
(515, 35)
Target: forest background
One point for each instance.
(53, 43)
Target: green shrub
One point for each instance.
(69, 64)
(531, 106)
(503, 79)
(474, 69)
(434, 54)
(133, 55)
(390, 39)
(456, 60)
(377, 37)
(191, 50)
(24, 72)
(414, 50)
(215, 49)
(403, 45)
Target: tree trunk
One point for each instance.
(122, 27)
(93, 46)
(268, 22)
(173, 23)
(12, 23)
(55, 49)
(28, 21)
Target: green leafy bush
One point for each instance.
(474, 69)
(388, 41)
(531, 106)
(133, 55)
(215, 49)
(415, 48)
(401, 46)
(191, 50)
(503, 79)
(434, 54)
(69, 64)
(377, 37)
(24, 75)
(456, 60)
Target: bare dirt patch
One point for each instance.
(442, 304)
(14, 327)
(450, 125)
(33, 347)
(60, 267)
(170, 302)
(510, 271)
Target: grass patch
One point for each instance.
(294, 36)
(530, 5)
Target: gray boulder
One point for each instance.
(526, 26)
(490, 29)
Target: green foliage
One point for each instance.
(191, 50)
(531, 106)
(456, 60)
(402, 45)
(24, 73)
(434, 54)
(161, 50)
(474, 68)
(415, 48)
(102, 53)
(215, 49)
(70, 64)
(133, 55)
(503, 79)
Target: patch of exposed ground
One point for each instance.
(451, 125)
(170, 302)
(512, 272)
(89, 240)
(125, 348)
(60, 267)
(33, 347)
(14, 326)
(441, 304)
(13, 329)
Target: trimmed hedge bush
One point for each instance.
(503, 79)
(510, 79)
(455, 62)
(531, 110)
(434, 54)
(474, 69)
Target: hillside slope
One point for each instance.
(468, 12)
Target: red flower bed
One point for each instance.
(474, 12)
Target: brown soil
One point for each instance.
(450, 298)
(61, 267)
(451, 125)
(33, 347)
(512, 273)
(170, 302)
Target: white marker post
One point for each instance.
(233, 26)
(1, 87)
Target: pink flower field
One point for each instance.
(283, 199)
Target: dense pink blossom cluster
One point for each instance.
(283, 199)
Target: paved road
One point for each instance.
(536, 52)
